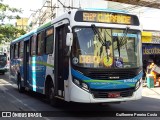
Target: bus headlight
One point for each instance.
(81, 84)
(84, 86)
(138, 84)
(76, 82)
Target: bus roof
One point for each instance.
(105, 10)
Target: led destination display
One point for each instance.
(106, 17)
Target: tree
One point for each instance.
(9, 32)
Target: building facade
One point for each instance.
(22, 23)
(54, 8)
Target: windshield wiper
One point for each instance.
(120, 42)
(125, 34)
(101, 40)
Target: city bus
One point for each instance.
(4, 62)
(84, 56)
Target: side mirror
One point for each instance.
(69, 39)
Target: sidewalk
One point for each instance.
(151, 92)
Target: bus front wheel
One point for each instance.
(51, 95)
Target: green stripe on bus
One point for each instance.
(107, 81)
(44, 26)
(44, 63)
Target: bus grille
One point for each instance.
(110, 75)
(104, 94)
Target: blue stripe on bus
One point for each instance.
(37, 73)
(34, 73)
(122, 34)
(79, 75)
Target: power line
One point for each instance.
(69, 7)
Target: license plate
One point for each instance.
(113, 95)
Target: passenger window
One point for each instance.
(16, 50)
(33, 45)
(12, 51)
(49, 41)
(40, 44)
(21, 49)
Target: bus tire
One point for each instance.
(51, 96)
(20, 88)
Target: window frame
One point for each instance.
(33, 49)
(21, 47)
(40, 44)
(12, 53)
(16, 50)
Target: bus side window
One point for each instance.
(21, 49)
(40, 44)
(49, 38)
(12, 51)
(16, 50)
(33, 45)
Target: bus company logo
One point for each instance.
(21, 114)
(114, 77)
(6, 114)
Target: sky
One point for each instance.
(28, 6)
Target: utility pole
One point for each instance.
(71, 3)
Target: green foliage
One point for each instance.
(5, 10)
(9, 32)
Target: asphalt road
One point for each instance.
(11, 100)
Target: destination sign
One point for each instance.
(106, 17)
(49, 32)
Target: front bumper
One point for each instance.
(80, 95)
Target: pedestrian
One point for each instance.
(150, 71)
(144, 68)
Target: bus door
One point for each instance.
(61, 60)
(26, 62)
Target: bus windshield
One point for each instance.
(106, 48)
(3, 60)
